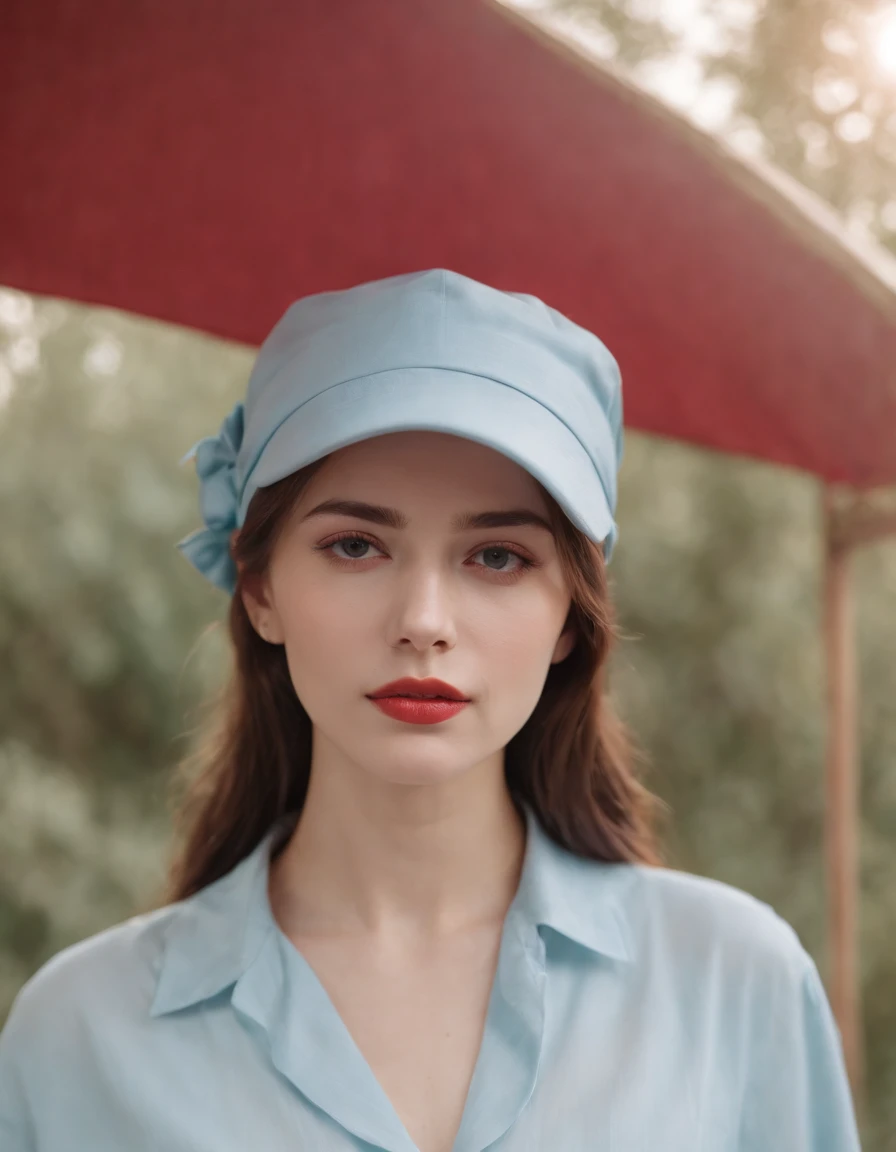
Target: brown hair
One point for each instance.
(571, 762)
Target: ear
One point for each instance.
(258, 602)
(565, 644)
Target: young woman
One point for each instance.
(418, 904)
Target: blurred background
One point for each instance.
(110, 641)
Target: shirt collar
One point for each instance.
(584, 900)
(212, 937)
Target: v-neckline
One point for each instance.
(311, 1046)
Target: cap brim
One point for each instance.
(444, 400)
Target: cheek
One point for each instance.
(329, 614)
(516, 647)
(329, 630)
(520, 621)
(313, 601)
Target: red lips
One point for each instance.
(408, 686)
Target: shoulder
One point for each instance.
(707, 924)
(736, 975)
(104, 980)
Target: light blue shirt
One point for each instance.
(634, 1009)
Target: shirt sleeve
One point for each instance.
(798, 1096)
(16, 1128)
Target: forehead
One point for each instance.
(434, 463)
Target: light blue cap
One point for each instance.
(424, 350)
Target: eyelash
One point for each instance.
(503, 577)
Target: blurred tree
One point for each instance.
(809, 84)
(99, 614)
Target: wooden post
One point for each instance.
(841, 807)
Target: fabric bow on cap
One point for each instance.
(208, 549)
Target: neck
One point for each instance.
(420, 862)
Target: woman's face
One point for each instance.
(358, 603)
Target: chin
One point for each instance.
(425, 768)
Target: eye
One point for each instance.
(354, 547)
(499, 553)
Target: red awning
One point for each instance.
(207, 163)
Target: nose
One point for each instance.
(423, 615)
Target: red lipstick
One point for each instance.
(404, 700)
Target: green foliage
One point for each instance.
(101, 620)
(806, 83)
(718, 577)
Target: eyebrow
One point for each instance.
(464, 522)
